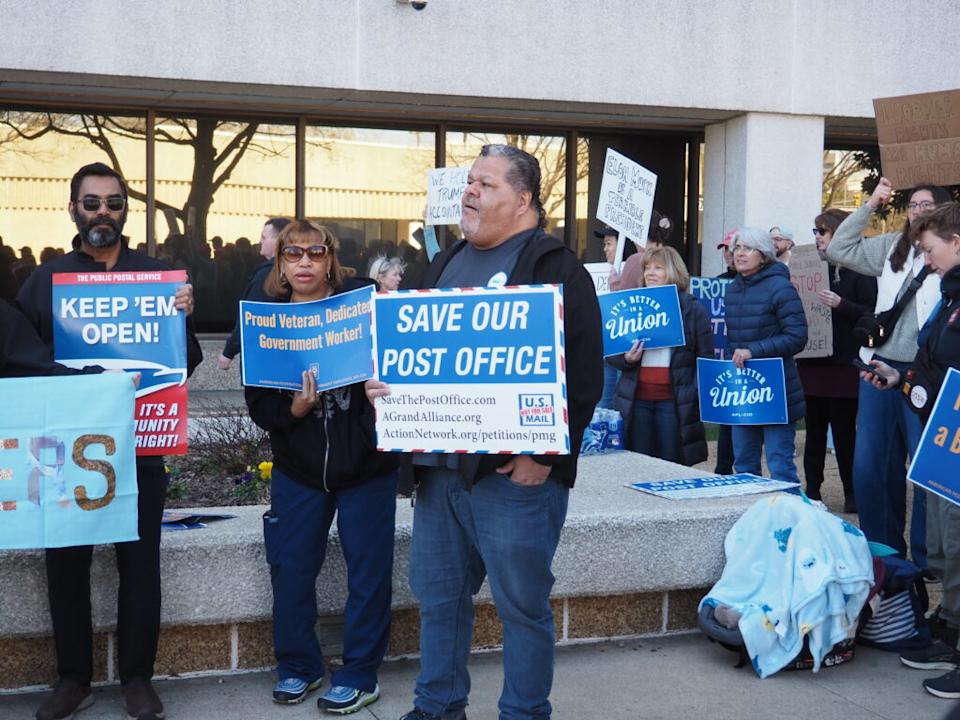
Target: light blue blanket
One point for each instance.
(793, 571)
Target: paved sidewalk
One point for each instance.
(675, 678)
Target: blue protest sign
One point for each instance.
(936, 463)
(127, 321)
(330, 338)
(472, 370)
(753, 395)
(67, 465)
(712, 486)
(712, 294)
(650, 315)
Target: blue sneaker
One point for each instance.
(343, 700)
(291, 691)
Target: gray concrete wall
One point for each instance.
(808, 57)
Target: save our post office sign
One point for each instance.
(936, 464)
(472, 370)
(755, 394)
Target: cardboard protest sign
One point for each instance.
(936, 463)
(445, 188)
(626, 198)
(809, 275)
(712, 487)
(753, 395)
(127, 321)
(919, 138)
(67, 465)
(712, 294)
(600, 274)
(472, 370)
(650, 315)
(330, 337)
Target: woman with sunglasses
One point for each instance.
(830, 384)
(325, 463)
(879, 466)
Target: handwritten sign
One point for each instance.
(331, 338)
(445, 188)
(600, 274)
(626, 197)
(127, 321)
(472, 370)
(650, 315)
(919, 138)
(809, 275)
(712, 294)
(936, 464)
(67, 466)
(753, 395)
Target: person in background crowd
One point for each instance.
(830, 384)
(610, 374)
(24, 266)
(938, 234)
(631, 276)
(765, 319)
(325, 463)
(879, 466)
(657, 392)
(8, 284)
(255, 288)
(98, 208)
(387, 272)
(783, 242)
(724, 464)
(499, 516)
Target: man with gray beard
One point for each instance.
(98, 207)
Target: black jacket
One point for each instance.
(35, 299)
(939, 350)
(22, 353)
(858, 295)
(546, 260)
(253, 291)
(683, 380)
(332, 447)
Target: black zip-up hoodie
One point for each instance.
(546, 260)
(332, 447)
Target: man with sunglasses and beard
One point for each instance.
(98, 207)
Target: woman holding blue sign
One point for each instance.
(657, 391)
(324, 463)
(765, 319)
(938, 232)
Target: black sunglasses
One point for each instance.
(820, 231)
(293, 253)
(92, 203)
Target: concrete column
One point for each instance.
(760, 169)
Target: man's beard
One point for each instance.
(99, 237)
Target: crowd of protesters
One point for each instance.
(499, 517)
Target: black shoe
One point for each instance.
(67, 700)
(141, 700)
(850, 506)
(936, 656)
(813, 493)
(418, 714)
(945, 686)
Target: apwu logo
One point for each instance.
(634, 315)
(740, 388)
(537, 409)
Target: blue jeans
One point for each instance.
(295, 534)
(611, 376)
(887, 432)
(508, 533)
(655, 429)
(748, 443)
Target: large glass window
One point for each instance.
(217, 182)
(39, 153)
(370, 187)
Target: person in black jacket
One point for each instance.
(98, 207)
(324, 463)
(938, 232)
(499, 516)
(657, 392)
(830, 384)
(22, 352)
(255, 287)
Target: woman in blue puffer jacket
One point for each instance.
(765, 320)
